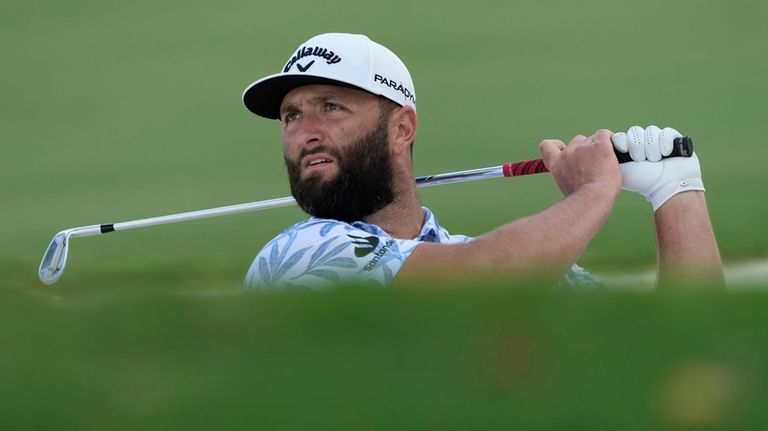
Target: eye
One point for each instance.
(290, 116)
(331, 107)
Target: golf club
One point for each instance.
(55, 258)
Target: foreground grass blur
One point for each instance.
(159, 356)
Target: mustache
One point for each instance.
(319, 149)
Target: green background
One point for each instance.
(115, 111)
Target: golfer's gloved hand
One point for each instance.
(655, 178)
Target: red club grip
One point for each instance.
(682, 147)
(525, 167)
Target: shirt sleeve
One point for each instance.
(577, 278)
(321, 253)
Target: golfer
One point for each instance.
(347, 109)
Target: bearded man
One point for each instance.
(347, 106)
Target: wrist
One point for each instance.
(661, 194)
(600, 191)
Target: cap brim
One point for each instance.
(264, 96)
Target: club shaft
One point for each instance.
(206, 213)
(430, 180)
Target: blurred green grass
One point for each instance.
(115, 111)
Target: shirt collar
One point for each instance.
(430, 231)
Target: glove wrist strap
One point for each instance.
(663, 193)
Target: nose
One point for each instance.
(309, 130)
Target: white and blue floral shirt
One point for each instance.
(321, 252)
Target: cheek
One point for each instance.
(289, 151)
(346, 135)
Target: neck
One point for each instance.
(403, 218)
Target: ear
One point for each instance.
(402, 129)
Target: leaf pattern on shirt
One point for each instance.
(321, 261)
(280, 267)
(280, 262)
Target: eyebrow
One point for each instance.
(320, 98)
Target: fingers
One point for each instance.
(550, 151)
(602, 140)
(551, 148)
(620, 142)
(603, 136)
(643, 144)
(577, 138)
(652, 152)
(649, 144)
(666, 140)
(636, 143)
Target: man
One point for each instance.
(347, 107)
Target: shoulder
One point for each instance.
(319, 252)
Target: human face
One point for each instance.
(318, 120)
(345, 178)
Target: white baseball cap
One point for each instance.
(351, 60)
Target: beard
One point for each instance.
(362, 185)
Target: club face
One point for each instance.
(55, 258)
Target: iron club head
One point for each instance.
(55, 258)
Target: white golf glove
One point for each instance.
(655, 178)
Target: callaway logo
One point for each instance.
(365, 245)
(305, 68)
(396, 86)
(306, 51)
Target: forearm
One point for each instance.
(546, 244)
(687, 249)
(552, 239)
